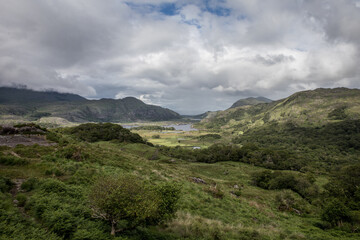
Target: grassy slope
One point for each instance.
(308, 108)
(253, 215)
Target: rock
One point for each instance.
(198, 180)
(236, 186)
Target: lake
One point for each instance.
(178, 127)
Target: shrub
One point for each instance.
(5, 184)
(209, 136)
(12, 160)
(215, 192)
(336, 213)
(92, 132)
(53, 186)
(51, 136)
(21, 198)
(61, 222)
(338, 113)
(237, 192)
(74, 152)
(127, 202)
(299, 183)
(287, 201)
(29, 184)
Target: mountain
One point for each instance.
(250, 101)
(17, 96)
(34, 105)
(307, 108)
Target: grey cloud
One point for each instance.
(108, 48)
(273, 59)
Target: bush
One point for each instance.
(74, 152)
(5, 184)
(215, 192)
(297, 182)
(209, 136)
(287, 201)
(12, 160)
(61, 222)
(237, 192)
(127, 202)
(29, 184)
(336, 213)
(21, 198)
(53, 186)
(92, 132)
(338, 113)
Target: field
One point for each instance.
(218, 201)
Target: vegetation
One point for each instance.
(250, 101)
(154, 128)
(127, 202)
(92, 132)
(26, 104)
(285, 178)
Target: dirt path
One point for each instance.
(17, 185)
(14, 191)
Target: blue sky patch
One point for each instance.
(169, 9)
(217, 9)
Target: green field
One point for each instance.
(227, 205)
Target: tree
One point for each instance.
(335, 212)
(128, 202)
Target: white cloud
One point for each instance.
(184, 61)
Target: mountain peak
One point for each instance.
(250, 101)
(34, 104)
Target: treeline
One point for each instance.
(319, 148)
(249, 153)
(94, 132)
(342, 198)
(344, 135)
(153, 128)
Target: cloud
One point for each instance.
(190, 56)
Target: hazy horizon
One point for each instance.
(188, 56)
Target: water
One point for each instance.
(129, 126)
(178, 127)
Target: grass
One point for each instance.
(178, 138)
(253, 214)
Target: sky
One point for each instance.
(189, 56)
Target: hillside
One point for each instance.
(250, 101)
(33, 105)
(47, 192)
(311, 108)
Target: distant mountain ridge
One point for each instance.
(310, 108)
(34, 104)
(250, 101)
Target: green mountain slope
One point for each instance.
(250, 101)
(312, 108)
(34, 105)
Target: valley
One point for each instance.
(286, 169)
